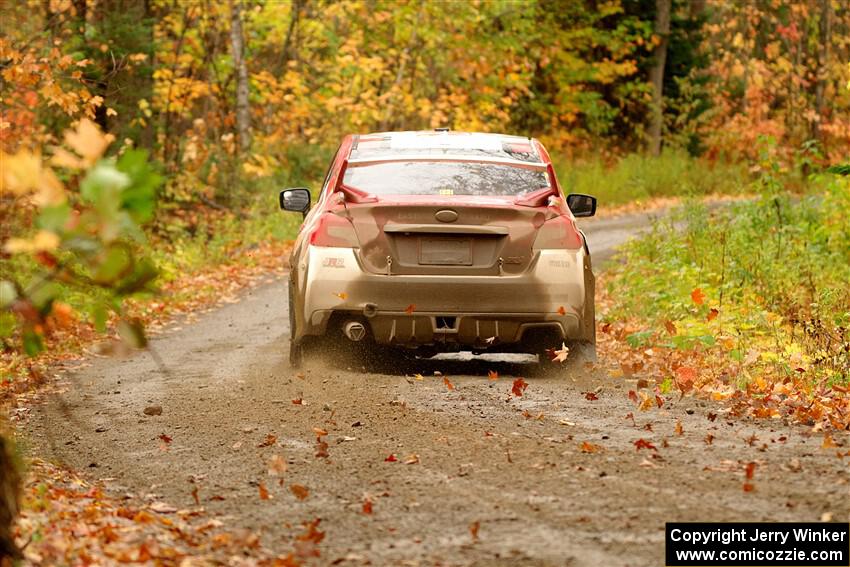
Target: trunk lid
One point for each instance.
(415, 235)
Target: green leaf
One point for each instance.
(8, 293)
(8, 323)
(116, 263)
(144, 273)
(54, 218)
(139, 198)
(33, 343)
(100, 315)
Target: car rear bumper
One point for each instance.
(484, 311)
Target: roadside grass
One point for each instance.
(749, 303)
(639, 178)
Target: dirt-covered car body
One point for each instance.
(440, 241)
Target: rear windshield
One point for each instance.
(444, 178)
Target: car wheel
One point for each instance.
(296, 349)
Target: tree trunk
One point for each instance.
(825, 37)
(656, 74)
(243, 111)
(10, 488)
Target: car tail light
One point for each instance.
(334, 231)
(558, 233)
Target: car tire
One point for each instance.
(296, 349)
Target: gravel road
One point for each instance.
(513, 465)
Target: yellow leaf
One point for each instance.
(87, 140)
(50, 190)
(44, 240)
(20, 172)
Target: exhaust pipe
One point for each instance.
(354, 331)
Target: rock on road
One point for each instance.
(512, 464)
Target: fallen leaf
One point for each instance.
(679, 430)
(152, 410)
(277, 465)
(165, 438)
(712, 315)
(320, 432)
(264, 492)
(588, 447)
(473, 530)
(519, 387)
(448, 384)
(685, 376)
(367, 504)
(195, 495)
(562, 311)
(391, 459)
(670, 327)
(644, 444)
(709, 439)
(300, 492)
(750, 470)
(410, 309)
(321, 449)
(828, 442)
(412, 459)
(162, 508)
(270, 440)
(591, 396)
(711, 416)
(342, 295)
(298, 402)
(697, 296)
(493, 375)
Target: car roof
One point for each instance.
(442, 144)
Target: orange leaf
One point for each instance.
(828, 443)
(412, 459)
(561, 310)
(410, 309)
(448, 384)
(473, 530)
(644, 444)
(320, 432)
(588, 447)
(300, 492)
(679, 430)
(264, 492)
(342, 295)
(270, 440)
(519, 387)
(697, 296)
(367, 505)
(713, 314)
(391, 459)
(298, 401)
(750, 470)
(685, 376)
(493, 375)
(670, 326)
(277, 465)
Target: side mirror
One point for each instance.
(581, 205)
(296, 200)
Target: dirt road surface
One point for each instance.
(478, 454)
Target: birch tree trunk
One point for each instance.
(656, 75)
(243, 110)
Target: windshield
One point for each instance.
(444, 178)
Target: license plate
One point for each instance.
(445, 251)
